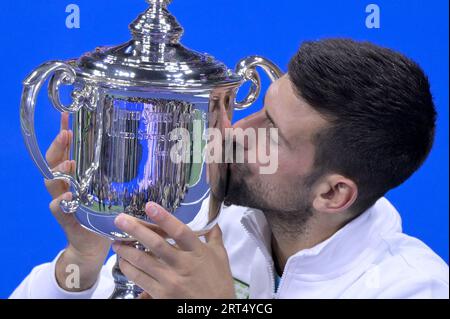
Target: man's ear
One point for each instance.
(334, 194)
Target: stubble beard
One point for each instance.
(288, 212)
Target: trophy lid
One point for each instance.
(154, 57)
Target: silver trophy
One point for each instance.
(128, 100)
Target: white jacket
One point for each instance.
(368, 258)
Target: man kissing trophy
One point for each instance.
(133, 106)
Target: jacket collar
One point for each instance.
(339, 253)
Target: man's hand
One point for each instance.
(191, 269)
(86, 249)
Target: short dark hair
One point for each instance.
(380, 109)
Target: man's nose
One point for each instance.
(250, 121)
(245, 142)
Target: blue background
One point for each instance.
(34, 31)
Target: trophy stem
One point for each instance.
(124, 288)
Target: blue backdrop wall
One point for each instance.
(35, 31)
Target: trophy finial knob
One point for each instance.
(156, 24)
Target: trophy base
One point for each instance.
(126, 292)
(124, 289)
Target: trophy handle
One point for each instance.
(246, 68)
(62, 73)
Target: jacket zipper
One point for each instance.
(268, 261)
(277, 294)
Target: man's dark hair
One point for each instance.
(380, 109)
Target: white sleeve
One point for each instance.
(41, 284)
(417, 288)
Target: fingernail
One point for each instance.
(121, 221)
(152, 210)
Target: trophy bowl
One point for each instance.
(141, 113)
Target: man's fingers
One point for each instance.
(58, 150)
(54, 204)
(66, 167)
(177, 230)
(144, 295)
(214, 236)
(57, 187)
(155, 228)
(67, 154)
(152, 241)
(65, 126)
(141, 279)
(65, 220)
(64, 121)
(140, 259)
(57, 157)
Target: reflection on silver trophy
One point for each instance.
(127, 100)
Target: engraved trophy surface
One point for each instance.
(133, 105)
